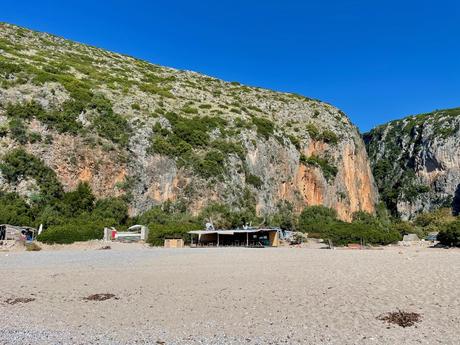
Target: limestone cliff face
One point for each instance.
(416, 162)
(128, 127)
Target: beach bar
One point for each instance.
(264, 237)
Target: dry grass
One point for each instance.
(401, 318)
(100, 297)
(13, 301)
(33, 247)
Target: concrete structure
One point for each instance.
(174, 243)
(134, 233)
(263, 237)
(411, 238)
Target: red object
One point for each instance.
(114, 234)
(354, 246)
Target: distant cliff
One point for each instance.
(152, 133)
(416, 162)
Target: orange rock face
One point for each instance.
(353, 190)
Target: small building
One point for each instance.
(250, 237)
(174, 243)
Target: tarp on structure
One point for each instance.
(411, 238)
(228, 232)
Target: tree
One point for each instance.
(14, 210)
(79, 201)
(450, 234)
(113, 208)
(316, 218)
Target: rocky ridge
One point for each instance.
(153, 134)
(416, 162)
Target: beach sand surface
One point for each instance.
(228, 296)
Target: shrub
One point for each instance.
(341, 233)
(79, 201)
(158, 232)
(224, 218)
(168, 221)
(254, 180)
(284, 217)
(193, 134)
(295, 141)
(35, 137)
(14, 210)
(219, 214)
(313, 131)
(18, 130)
(156, 90)
(113, 126)
(450, 234)
(33, 247)
(111, 208)
(265, 127)
(63, 119)
(189, 139)
(27, 110)
(434, 221)
(327, 135)
(412, 190)
(405, 228)
(6, 69)
(316, 218)
(211, 165)
(189, 110)
(155, 215)
(19, 164)
(330, 137)
(228, 147)
(84, 228)
(329, 171)
(135, 106)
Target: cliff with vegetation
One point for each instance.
(416, 162)
(72, 113)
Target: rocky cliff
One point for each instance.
(153, 134)
(416, 162)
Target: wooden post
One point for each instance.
(191, 240)
(218, 239)
(247, 239)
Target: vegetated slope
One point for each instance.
(153, 134)
(416, 162)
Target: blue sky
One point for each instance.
(376, 60)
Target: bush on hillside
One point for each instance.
(329, 171)
(18, 130)
(313, 131)
(19, 164)
(254, 180)
(330, 137)
(113, 127)
(265, 127)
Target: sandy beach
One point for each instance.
(228, 296)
